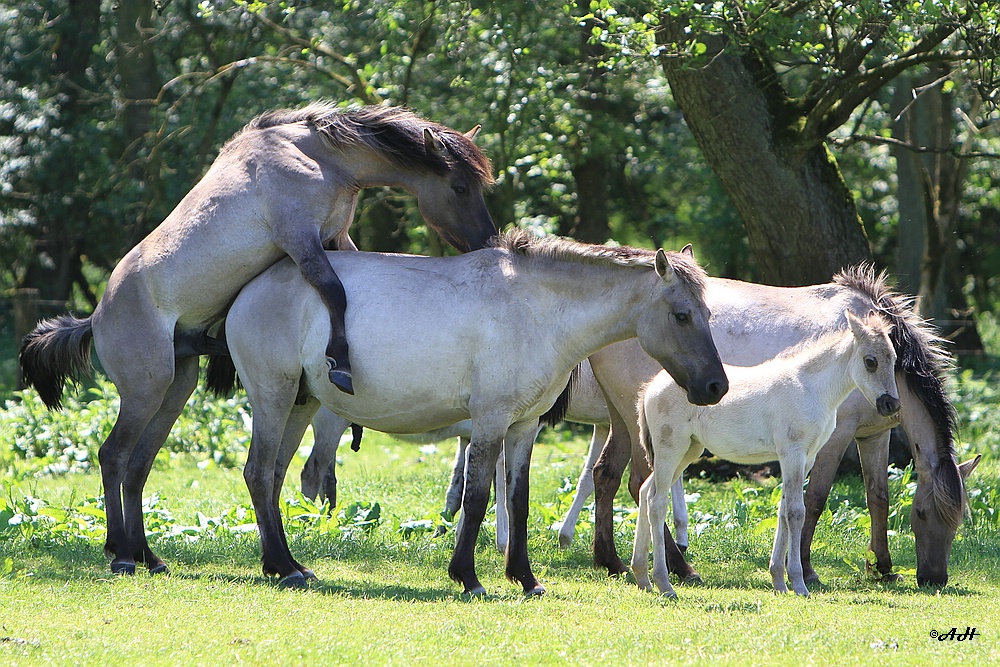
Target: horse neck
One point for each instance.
(597, 305)
(368, 169)
(825, 371)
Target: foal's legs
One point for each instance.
(791, 515)
(874, 454)
(143, 455)
(584, 486)
(517, 457)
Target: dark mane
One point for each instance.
(922, 357)
(394, 132)
(522, 243)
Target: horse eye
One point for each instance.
(460, 189)
(682, 318)
(871, 364)
(922, 515)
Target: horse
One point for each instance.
(752, 323)
(286, 184)
(784, 409)
(491, 336)
(585, 404)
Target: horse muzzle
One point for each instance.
(887, 405)
(708, 393)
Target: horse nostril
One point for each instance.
(887, 405)
(717, 389)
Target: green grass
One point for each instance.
(384, 596)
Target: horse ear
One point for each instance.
(688, 250)
(967, 467)
(471, 134)
(432, 144)
(857, 326)
(662, 266)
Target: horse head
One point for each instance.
(875, 369)
(451, 201)
(674, 329)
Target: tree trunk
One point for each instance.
(800, 216)
(590, 225)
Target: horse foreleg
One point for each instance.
(480, 467)
(453, 499)
(312, 261)
(500, 493)
(319, 474)
(821, 478)
(518, 444)
(679, 509)
(874, 454)
(295, 428)
(584, 486)
(143, 455)
(607, 479)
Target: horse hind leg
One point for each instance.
(142, 457)
(295, 428)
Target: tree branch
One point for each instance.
(953, 151)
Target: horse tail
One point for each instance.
(558, 410)
(923, 359)
(220, 376)
(56, 350)
(644, 438)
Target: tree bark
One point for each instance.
(800, 216)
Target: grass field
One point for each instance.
(384, 597)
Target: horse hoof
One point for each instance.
(892, 578)
(565, 541)
(440, 531)
(308, 574)
(342, 380)
(294, 580)
(160, 568)
(123, 568)
(536, 591)
(476, 592)
(683, 548)
(692, 580)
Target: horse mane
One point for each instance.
(521, 243)
(395, 133)
(921, 355)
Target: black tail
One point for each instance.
(356, 431)
(558, 410)
(220, 377)
(58, 349)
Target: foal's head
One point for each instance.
(873, 363)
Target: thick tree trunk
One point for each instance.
(799, 215)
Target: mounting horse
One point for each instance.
(752, 323)
(284, 185)
(492, 335)
(784, 409)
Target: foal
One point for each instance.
(783, 409)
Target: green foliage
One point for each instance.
(67, 440)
